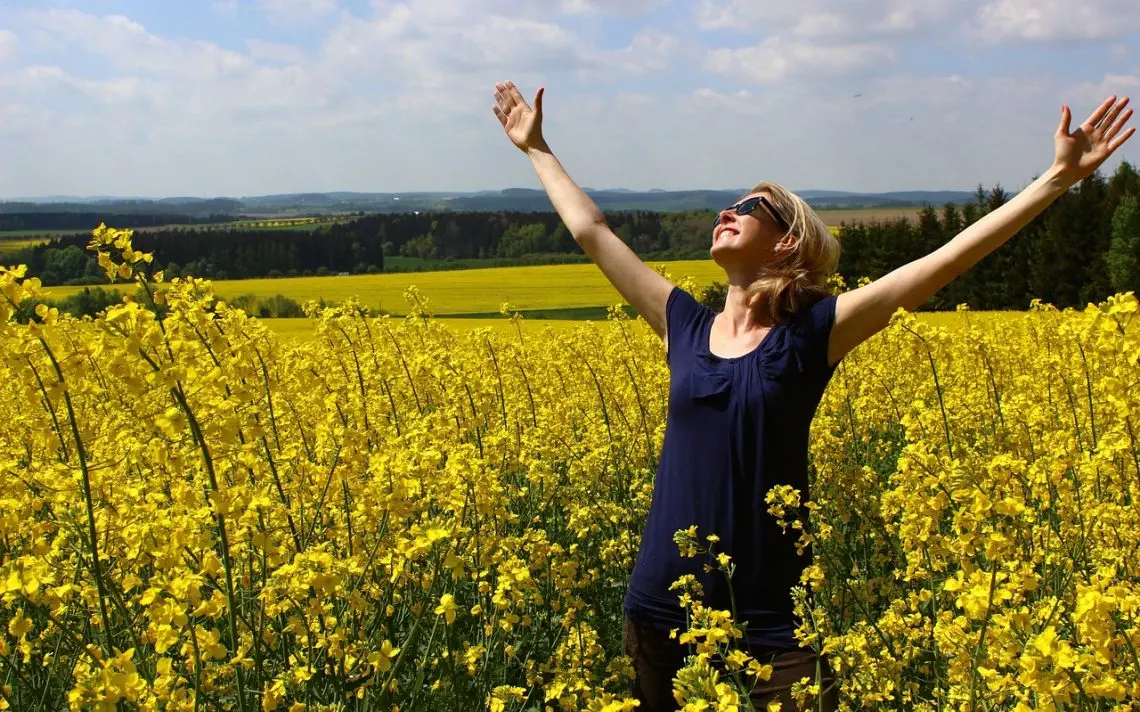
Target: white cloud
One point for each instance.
(187, 71)
(437, 44)
(619, 7)
(275, 52)
(819, 19)
(1055, 20)
(397, 97)
(776, 59)
(1085, 96)
(648, 51)
(298, 9)
(9, 45)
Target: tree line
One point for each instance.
(29, 221)
(1082, 248)
(181, 208)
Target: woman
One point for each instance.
(745, 384)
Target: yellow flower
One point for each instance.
(381, 659)
(19, 626)
(446, 608)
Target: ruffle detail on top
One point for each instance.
(776, 357)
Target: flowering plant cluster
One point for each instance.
(392, 515)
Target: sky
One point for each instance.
(250, 97)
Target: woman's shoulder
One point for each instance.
(803, 347)
(684, 317)
(815, 316)
(682, 305)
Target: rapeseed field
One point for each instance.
(394, 514)
(454, 291)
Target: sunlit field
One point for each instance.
(9, 245)
(394, 512)
(457, 292)
(294, 329)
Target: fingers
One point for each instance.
(1118, 125)
(1066, 117)
(508, 96)
(502, 99)
(1113, 128)
(1107, 122)
(1119, 140)
(1096, 116)
(514, 95)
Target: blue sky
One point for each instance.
(249, 97)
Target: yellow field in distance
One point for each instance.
(12, 245)
(455, 291)
(295, 329)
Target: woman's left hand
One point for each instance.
(1081, 152)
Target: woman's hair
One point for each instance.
(800, 278)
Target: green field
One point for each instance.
(456, 292)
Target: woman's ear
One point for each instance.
(787, 244)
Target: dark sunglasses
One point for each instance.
(746, 206)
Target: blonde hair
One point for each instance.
(799, 279)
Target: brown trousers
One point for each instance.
(657, 658)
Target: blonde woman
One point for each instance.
(745, 383)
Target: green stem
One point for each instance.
(92, 535)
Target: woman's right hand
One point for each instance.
(522, 123)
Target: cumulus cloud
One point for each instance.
(827, 18)
(396, 95)
(9, 45)
(299, 8)
(776, 59)
(822, 38)
(442, 44)
(1054, 20)
(275, 52)
(620, 7)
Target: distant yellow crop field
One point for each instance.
(9, 245)
(292, 329)
(457, 291)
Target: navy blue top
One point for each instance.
(735, 428)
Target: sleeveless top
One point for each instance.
(735, 428)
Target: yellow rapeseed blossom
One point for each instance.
(395, 515)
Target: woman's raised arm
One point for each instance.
(644, 290)
(862, 312)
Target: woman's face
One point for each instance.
(754, 239)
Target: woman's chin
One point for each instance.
(723, 252)
(729, 257)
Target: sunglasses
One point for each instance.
(746, 206)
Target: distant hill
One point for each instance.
(508, 200)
